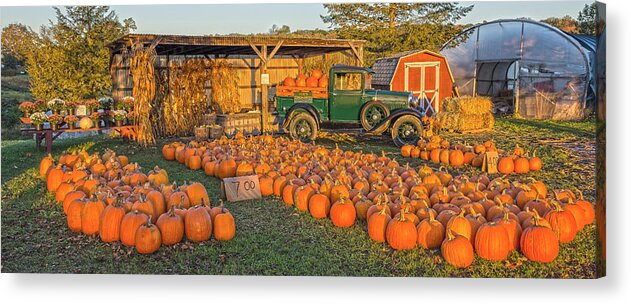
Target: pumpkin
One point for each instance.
(578, 212)
(227, 168)
(197, 224)
(85, 123)
(70, 197)
(302, 196)
(62, 190)
(401, 233)
(266, 184)
(244, 169)
(301, 82)
(145, 206)
(506, 165)
(444, 156)
(430, 232)
(590, 213)
(343, 213)
(148, 238)
(288, 194)
(492, 242)
(460, 225)
(279, 184)
(171, 227)
(521, 165)
(224, 227)
(197, 194)
(377, 224)
(406, 150)
(323, 82)
(513, 229)
(129, 225)
(289, 81)
(45, 164)
(535, 163)
(562, 222)
(168, 152)
(91, 216)
(457, 250)
(456, 158)
(54, 178)
(519, 151)
(319, 205)
(316, 73)
(73, 217)
(361, 206)
(539, 243)
(312, 82)
(110, 222)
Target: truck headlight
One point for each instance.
(412, 101)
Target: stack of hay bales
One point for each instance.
(466, 114)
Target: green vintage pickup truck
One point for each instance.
(350, 99)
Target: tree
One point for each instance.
(566, 23)
(587, 19)
(69, 58)
(18, 40)
(279, 30)
(389, 28)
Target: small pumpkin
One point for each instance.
(148, 238)
(457, 250)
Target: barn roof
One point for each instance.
(384, 68)
(237, 45)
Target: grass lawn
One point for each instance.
(273, 239)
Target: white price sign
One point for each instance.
(241, 188)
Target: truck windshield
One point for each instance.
(348, 81)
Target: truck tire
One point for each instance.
(406, 130)
(372, 113)
(303, 127)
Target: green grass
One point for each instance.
(14, 91)
(273, 239)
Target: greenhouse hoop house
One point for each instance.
(528, 67)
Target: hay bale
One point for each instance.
(467, 104)
(460, 122)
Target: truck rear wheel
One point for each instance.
(406, 130)
(372, 114)
(303, 127)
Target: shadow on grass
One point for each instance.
(582, 129)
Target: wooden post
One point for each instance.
(264, 93)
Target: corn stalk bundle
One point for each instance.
(186, 102)
(144, 91)
(225, 88)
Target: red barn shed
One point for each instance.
(424, 73)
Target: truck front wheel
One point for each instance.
(372, 114)
(303, 127)
(406, 130)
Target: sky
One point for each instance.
(258, 18)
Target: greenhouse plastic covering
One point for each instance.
(547, 70)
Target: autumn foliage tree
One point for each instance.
(68, 58)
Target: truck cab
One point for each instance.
(348, 98)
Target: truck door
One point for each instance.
(346, 96)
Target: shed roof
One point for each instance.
(384, 68)
(235, 45)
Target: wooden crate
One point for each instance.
(288, 91)
(248, 123)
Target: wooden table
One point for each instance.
(47, 136)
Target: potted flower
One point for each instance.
(71, 107)
(95, 116)
(56, 105)
(119, 116)
(71, 121)
(125, 103)
(55, 120)
(106, 103)
(38, 119)
(40, 106)
(27, 108)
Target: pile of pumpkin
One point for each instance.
(107, 195)
(315, 80)
(402, 206)
(439, 150)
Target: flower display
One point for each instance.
(55, 119)
(91, 104)
(56, 104)
(95, 115)
(106, 102)
(38, 118)
(27, 107)
(126, 102)
(119, 114)
(71, 119)
(40, 106)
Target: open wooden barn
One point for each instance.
(256, 64)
